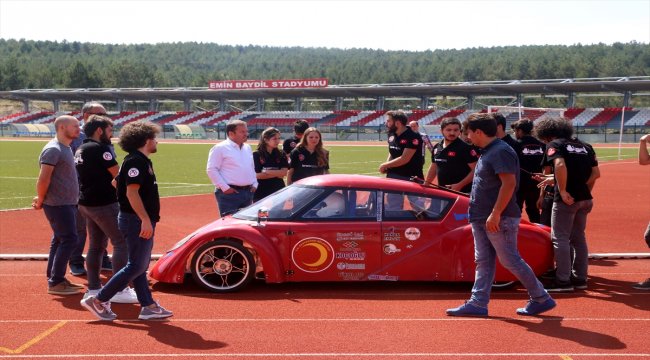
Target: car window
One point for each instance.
(407, 206)
(344, 204)
(283, 204)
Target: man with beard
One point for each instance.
(453, 160)
(97, 167)
(77, 267)
(403, 144)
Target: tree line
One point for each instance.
(52, 64)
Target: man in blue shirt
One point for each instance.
(494, 217)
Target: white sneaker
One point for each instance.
(126, 296)
(90, 293)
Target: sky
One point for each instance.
(375, 24)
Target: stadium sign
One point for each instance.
(268, 84)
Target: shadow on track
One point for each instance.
(166, 333)
(552, 327)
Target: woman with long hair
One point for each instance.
(309, 158)
(270, 164)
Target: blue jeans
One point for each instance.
(230, 203)
(502, 244)
(63, 220)
(135, 271)
(102, 225)
(568, 224)
(77, 256)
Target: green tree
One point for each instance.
(79, 75)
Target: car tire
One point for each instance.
(222, 266)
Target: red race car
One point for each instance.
(342, 228)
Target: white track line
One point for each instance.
(299, 320)
(332, 355)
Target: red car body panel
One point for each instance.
(418, 250)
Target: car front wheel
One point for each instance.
(223, 266)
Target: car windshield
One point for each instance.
(283, 204)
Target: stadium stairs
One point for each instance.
(603, 117)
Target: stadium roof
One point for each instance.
(635, 84)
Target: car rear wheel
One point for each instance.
(223, 266)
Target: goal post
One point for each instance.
(527, 112)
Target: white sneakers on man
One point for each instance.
(126, 296)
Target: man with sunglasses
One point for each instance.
(77, 260)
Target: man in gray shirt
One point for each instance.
(57, 193)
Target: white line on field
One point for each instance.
(18, 177)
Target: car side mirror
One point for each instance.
(262, 213)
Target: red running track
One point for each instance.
(330, 321)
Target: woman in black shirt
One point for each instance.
(270, 164)
(309, 158)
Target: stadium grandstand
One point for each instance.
(249, 105)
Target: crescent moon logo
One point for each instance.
(312, 255)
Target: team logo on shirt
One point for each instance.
(133, 172)
(107, 156)
(451, 153)
(473, 152)
(402, 142)
(301, 157)
(435, 151)
(391, 138)
(416, 142)
(550, 151)
(576, 149)
(262, 161)
(527, 151)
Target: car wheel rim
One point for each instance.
(222, 267)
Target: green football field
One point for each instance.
(180, 167)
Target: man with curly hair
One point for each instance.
(575, 170)
(137, 193)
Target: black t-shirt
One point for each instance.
(452, 162)
(408, 139)
(138, 169)
(289, 144)
(273, 161)
(579, 158)
(92, 161)
(531, 157)
(305, 164)
(514, 144)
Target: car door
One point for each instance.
(410, 236)
(337, 238)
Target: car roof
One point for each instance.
(368, 182)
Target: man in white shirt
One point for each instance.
(231, 169)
